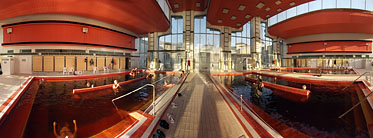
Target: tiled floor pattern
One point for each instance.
(201, 112)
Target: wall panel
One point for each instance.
(37, 63)
(80, 63)
(100, 63)
(70, 62)
(59, 63)
(90, 67)
(48, 62)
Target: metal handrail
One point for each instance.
(146, 85)
(355, 80)
(249, 107)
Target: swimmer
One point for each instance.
(182, 74)
(41, 83)
(166, 85)
(65, 132)
(116, 87)
(149, 76)
(88, 84)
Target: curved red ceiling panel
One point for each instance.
(188, 5)
(269, 7)
(139, 16)
(325, 21)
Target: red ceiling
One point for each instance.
(139, 16)
(325, 21)
(216, 7)
(188, 5)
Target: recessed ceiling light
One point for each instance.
(241, 8)
(238, 24)
(267, 9)
(279, 10)
(198, 4)
(278, 2)
(233, 18)
(225, 10)
(292, 4)
(176, 6)
(220, 21)
(247, 16)
(267, 16)
(260, 5)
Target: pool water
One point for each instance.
(54, 102)
(316, 117)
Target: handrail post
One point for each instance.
(153, 100)
(241, 102)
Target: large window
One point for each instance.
(267, 47)
(170, 46)
(240, 41)
(206, 45)
(143, 49)
(319, 5)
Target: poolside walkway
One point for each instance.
(201, 112)
(9, 84)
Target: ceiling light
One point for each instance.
(238, 24)
(279, 10)
(247, 16)
(198, 4)
(267, 9)
(260, 5)
(241, 8)
(176, 6)
(267, 16)
(225, 10)
(292, 4)
(233, 18)
(278, 2)
(220, 21)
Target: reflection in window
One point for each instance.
(206, 45)
(170, 46)
(240, 41)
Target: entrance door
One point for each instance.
(204, 61)
(128, 63)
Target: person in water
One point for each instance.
(149, 76)
(65, 131)
(116, 87)
(182, 74)
(166, 85)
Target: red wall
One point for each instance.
(66, 32)
(331, 47)
(325, 21)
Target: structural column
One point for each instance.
(153, 55)
(256, 45)
(276, 52)
(188, 41)
(225, 58)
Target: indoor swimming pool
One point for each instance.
(315, 117)
(53, 101)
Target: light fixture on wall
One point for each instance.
(325, 44)
(9, 30)
(85, 30)
(367, 44)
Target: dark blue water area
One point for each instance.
(316, 117)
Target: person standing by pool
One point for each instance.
(116, 87)
(65, 131)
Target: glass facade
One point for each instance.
(206, 49)
(319, 5)
(143, 49)
(267, 46)
(170, 46)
